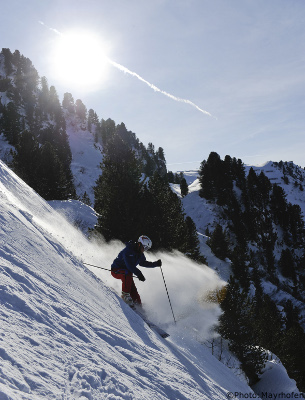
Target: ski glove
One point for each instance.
(141, 276)
(158, 263)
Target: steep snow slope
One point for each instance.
(86, 156)
(65, 334)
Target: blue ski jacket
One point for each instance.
(129, 258)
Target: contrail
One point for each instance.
(51, 29)
(127, 71)
(155, 88)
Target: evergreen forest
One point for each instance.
(263, 235)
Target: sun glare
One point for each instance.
(79, 60)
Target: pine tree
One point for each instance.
(250, 202)
(296, 225)
(239, 267)
(80, 110)
(52, 183)
(267, 243)
(291, 352)
(215, 177)
(278, 206)
(237, 223)
(8, 60)
(57, 137)
(68, 103)
(256, 279)
(292, 315)
(43, 97)
(207, 176)
(287, 264)
(26, 158)
(170, 177)
(218, 243)
(167, 218)
(107, 130)
(184, 187)
(54, 106)
(192, 241)
(149, 165)
(92, 119)
(235, 325)
(160, 154)
(151, 148)
(10, 123)
(238, 173)
(267, 323)
(178, 177)
(263, 194)
(117, 192)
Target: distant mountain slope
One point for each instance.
(288, 175)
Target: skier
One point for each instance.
(125, 265)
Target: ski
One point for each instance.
(152, 326)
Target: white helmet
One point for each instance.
(145, 242)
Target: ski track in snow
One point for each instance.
(65, 334)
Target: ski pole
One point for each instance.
(106, 269)
(95, 266)
(168, 295)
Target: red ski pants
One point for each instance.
(128, 285)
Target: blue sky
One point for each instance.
(242, 61)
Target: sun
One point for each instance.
(79, 60)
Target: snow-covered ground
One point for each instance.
(86, 156)
(66, 334)
(275, 381)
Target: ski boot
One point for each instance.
(127, 298)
